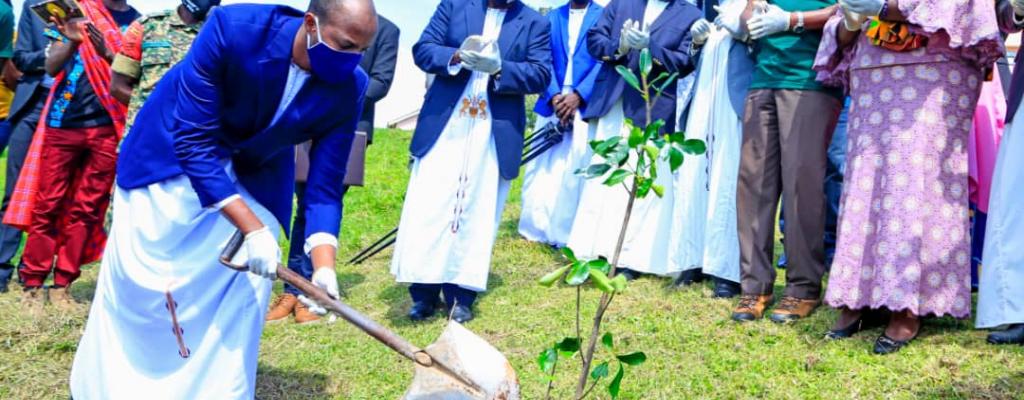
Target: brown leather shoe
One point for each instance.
(751, 307)
(303, 315)
(282, 307)
(60, 297)
(32, 301)
(791, 309)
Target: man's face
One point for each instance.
(351, 37)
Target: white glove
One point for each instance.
(772, 21)
(870, 8)
(853, 21)
(326, 279)
(624, 46)
(1018, 7)
(700, 31)
(730, 23)
(489, 63)
(264, 253)
(637, 39)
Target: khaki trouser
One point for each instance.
(785, 140)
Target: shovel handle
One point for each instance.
(314, 292)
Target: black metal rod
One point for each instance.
(388, 240)
(376, 251)
(362, 256)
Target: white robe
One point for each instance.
(1001, 289)
(551, 187)
(455, 198)
(704, 235)
(595, 231)
(162, 241)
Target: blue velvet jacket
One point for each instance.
(584, 66)
(218, 105)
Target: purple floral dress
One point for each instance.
(903, 226)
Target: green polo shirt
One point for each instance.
(785, 60)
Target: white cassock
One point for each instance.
(163, 250)
(455, 197)
(551, 187)
(595, 230)
(704, 235)
(1001, 288)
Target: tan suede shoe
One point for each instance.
(60, 297)
(32, 301)
(303, 315)
(751, 307)
(282, 307)
(791, 309)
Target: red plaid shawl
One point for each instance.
(97, 69)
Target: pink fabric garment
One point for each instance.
(904, 240)
(983, 146)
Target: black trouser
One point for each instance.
(453, 294)
(23, 129)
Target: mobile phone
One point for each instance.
(59, 9)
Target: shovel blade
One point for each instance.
(473, 358)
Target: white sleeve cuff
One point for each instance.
(224, 203)
(320, 239)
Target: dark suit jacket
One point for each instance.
(525, 46)
(379, 63)
(218, 104)
(30, 58)
(670, 50)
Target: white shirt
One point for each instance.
(652, 12)
(575, 26)
(297, 78)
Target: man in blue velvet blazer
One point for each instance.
(211, 154)
(526, 68)
(669, 44)
(219, 105)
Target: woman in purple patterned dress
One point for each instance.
(913, 69)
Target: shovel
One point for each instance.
(459, 365)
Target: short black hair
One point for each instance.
(322, 8)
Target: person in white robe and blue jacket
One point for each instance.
(211, 152)
(467, 147)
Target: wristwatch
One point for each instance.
(799, 28)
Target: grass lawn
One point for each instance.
(694, 350)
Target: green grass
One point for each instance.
(694, 350)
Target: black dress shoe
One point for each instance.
(847, 332)
(725, 289)
(887, 345)
(462, 314)
(422, 310)
(630, 275)
(1012, 335)
(690, 277)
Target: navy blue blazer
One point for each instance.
(30, 58)
(217, 105)
(584, 66)
(525, 45)
(670, 50)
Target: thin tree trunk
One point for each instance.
(606, 300)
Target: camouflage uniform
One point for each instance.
(152, 46)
